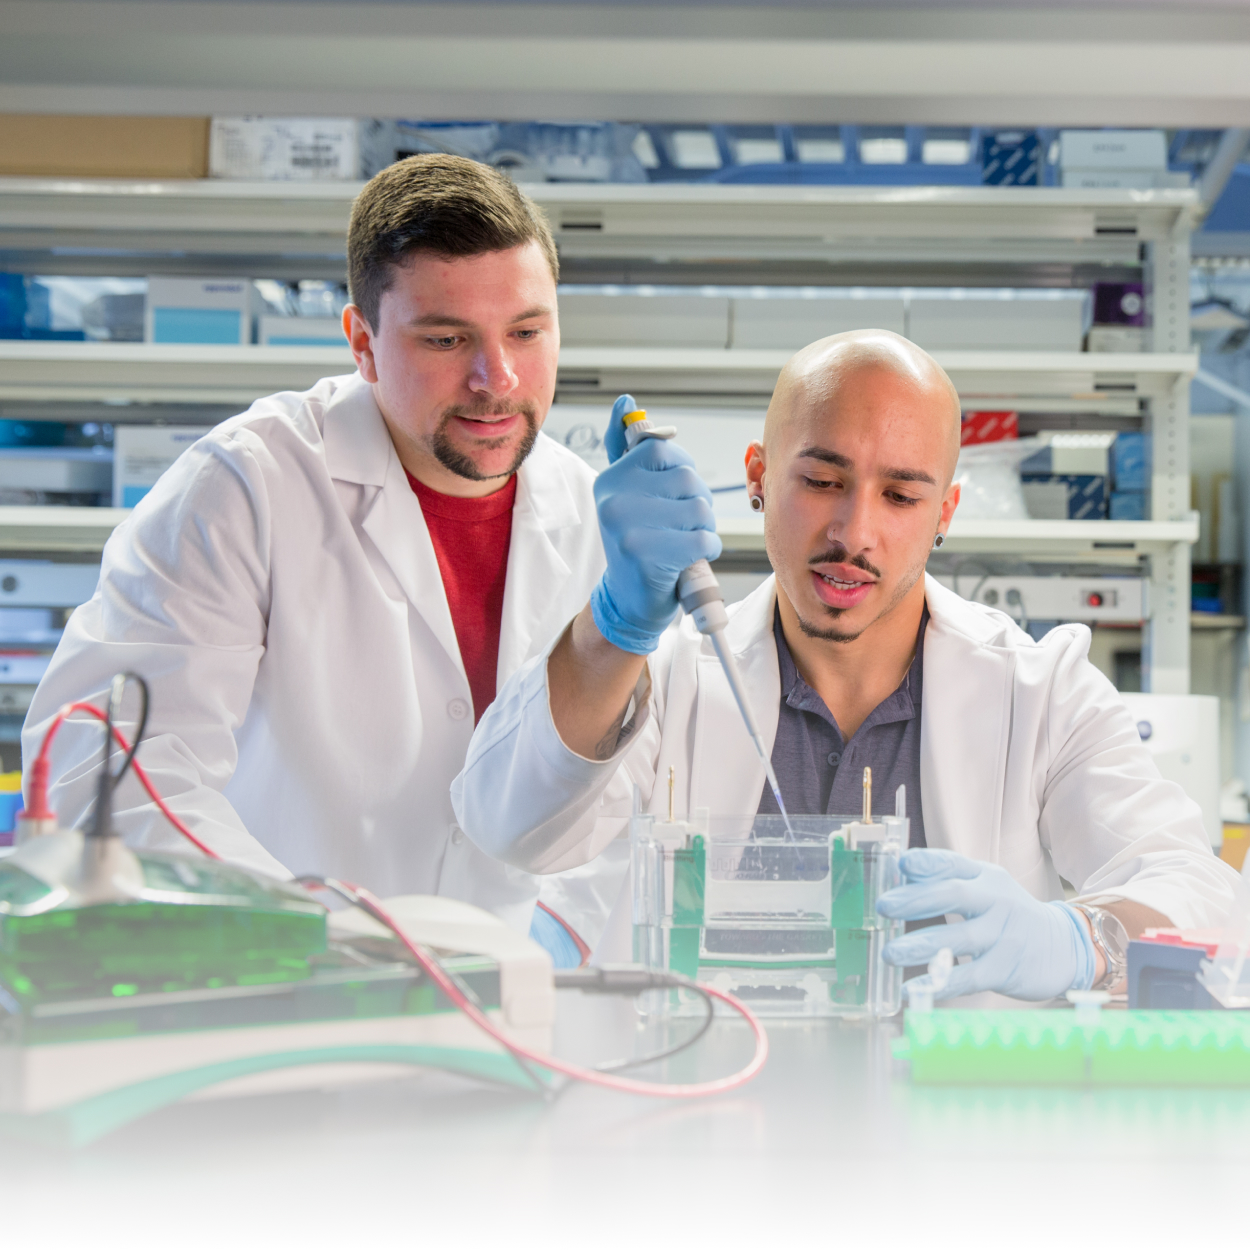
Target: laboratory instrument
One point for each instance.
(783, 918)
(701, 598)
(131, 979)
(1082, 1047)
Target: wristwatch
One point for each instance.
(1110, 940)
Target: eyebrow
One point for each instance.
(440, 320)
(839, 461)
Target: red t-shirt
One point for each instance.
(471, 539)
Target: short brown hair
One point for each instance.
(446, 205)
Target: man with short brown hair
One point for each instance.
(325, 590)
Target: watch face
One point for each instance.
(1114, 935)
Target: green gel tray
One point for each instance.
(1052, 1047)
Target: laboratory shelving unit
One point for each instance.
(672, 234)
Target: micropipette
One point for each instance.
(701, 597)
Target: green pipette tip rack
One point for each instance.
(1063, 1047)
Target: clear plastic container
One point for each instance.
(787, 923)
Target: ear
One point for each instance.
(754, 460)
(360, 339)
(949, 503)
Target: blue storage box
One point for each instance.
(1011, 158)
(1130, 462)
(1128, 505)
(1086, 495)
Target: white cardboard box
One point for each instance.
(1113, 149)
(988, 321)
(791, 322)
(284, 149)
(629, 320)
(198, 310)
(301, 332)
(141, 453)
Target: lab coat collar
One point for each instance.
(969, 668)
(358, 445)
(544, 505)
(965, 716)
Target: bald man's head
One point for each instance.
(855, 475)
(831, 370)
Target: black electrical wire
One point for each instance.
(348, 895)
(634, 981)
(102, 824)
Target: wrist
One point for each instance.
(1090, 968)
(616, 627)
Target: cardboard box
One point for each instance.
(592, 319)
(1052, 321)
(1072, 452)
(988, 427)
(1128, 505)
(141, 453)
(1065, 496)
(301, 332)
(1113, 149)
(198, 310)
(40, 145)
(791, 322)
(1011, 158)
(284, 149)
(1116, 339)
(1130, 462)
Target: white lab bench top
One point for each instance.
(828, 1143)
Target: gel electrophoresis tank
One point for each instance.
(787, 923)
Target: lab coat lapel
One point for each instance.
(359, 449)
(727, 775)
(533, 606)
(965, 728)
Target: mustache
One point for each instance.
(490, 408)
(838, 554)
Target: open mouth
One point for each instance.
(842, 589)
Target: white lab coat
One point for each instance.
(279, 591)
(1028, 758)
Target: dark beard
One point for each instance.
(461, 465)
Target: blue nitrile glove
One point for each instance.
(1020, 945)
(655, 515)
(554, 938)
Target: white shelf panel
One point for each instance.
(946, 224)
(1112, 540)
(1082, 377)
(58, 529)
(157, 372)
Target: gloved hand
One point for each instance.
(1020, 946)
(555, 939)
(655, 514)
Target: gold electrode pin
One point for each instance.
(867, 796)
(670, 794)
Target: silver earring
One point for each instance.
(939, 540)
(757, 503)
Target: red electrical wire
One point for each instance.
(583, 950)
(622, 1084)
(39, 775)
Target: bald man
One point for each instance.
(1022, 764)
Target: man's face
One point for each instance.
(463, 363)
(855, 489)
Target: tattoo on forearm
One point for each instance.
(606, 746)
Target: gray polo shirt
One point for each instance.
(821, 774)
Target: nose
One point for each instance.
(492, 372)
(851, 522)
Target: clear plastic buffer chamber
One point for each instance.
(787, 923)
